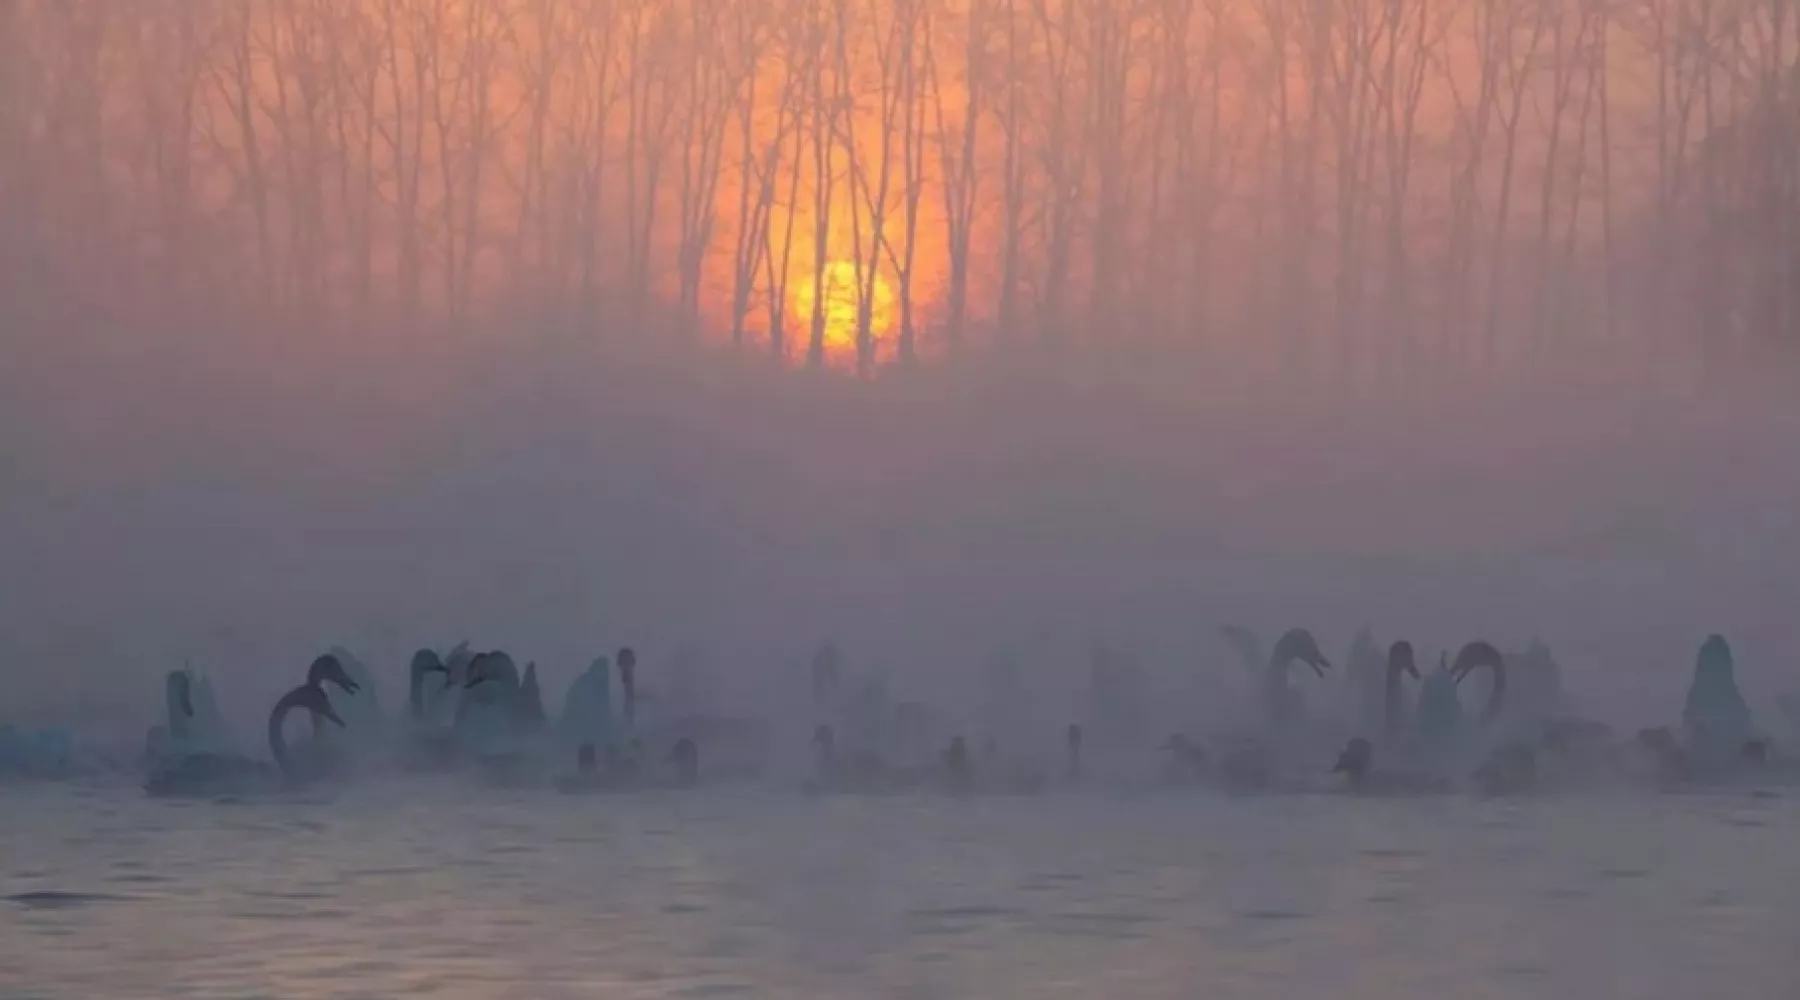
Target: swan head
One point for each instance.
(328, 668)
(1355, 759)
(1401, 661)
(1298, 644)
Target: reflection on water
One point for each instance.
(435, 892)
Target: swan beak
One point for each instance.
(472, 682)
(333, 716)
(1412, 670)
(187, 705)
(1320, 665)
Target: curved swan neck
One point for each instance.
(278, 747)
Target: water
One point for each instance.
(438, 891)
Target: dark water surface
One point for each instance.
(434, 890)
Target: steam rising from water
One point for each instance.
(559, 501)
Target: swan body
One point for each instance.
(191, 719)
(587, 715)
(498, 722)
(1440, 713)
(1715, 719)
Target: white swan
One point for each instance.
(1282, 704)
(587, 715)
(211, 774)
(497, 717)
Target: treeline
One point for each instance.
(1357, 186)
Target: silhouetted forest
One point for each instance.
(1351, 186)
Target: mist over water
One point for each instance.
(965, 335)
(241, 504)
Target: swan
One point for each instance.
(309, 697)
(587, 718)
(424, 662)
(1536, 692)
(361, 708)
(496, 719)
(1438, 717)
(1439, 727)
(220, 773)
(191, 720)
(1281, 702)
(325, 751)
(426, 743)
(1400, 665)
(1715, 718)
(1474, 656)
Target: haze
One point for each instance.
(395, 322)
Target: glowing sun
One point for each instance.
(843, 293)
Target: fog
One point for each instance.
(949, 334)
(245, 508)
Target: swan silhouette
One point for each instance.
(1400, 664)
(223, 773)
(309, 697)
(1474, 656)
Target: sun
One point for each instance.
(843, 291)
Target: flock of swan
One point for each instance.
(1395, 730)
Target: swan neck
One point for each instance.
(278, 747)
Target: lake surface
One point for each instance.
(437, 890)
